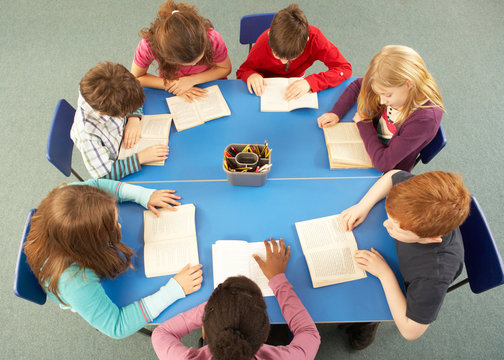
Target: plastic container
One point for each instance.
(246, 159)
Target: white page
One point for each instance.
(343, 133)
(170, 224)
(184, 113)
(234, 257)
(272, 98)
(309, 100)
(353, 153)
(213, 105)
(156, 126)
(169, 257)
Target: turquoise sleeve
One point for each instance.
(121, 191)
(85, 295)
(163, 298)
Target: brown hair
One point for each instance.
(430, 204)
(178, 38)
(75, 224)
(393, 66)
(112, 90)
(288, 33)
(235, 320)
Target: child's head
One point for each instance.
(112, 90)
(397, 77)
(76, 224)
(179, 37)
(288, 33)
(427, 206)
(235, 321)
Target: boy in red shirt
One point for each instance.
(287, 49)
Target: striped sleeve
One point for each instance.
(219, 48)
(124, 167)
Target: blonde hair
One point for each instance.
(393, 66)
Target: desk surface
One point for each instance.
(226, 212)
(298, 144)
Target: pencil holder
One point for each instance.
(241, 167)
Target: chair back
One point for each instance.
(253, 25)
(26, 285)
(59, 144)
(434, 147)
(483, 262)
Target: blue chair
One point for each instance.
(433, 148)
(26, 284)
(483, 262)
(59, 143)
(251, 26)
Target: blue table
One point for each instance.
(300, 186)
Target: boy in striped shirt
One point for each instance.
(109, 111)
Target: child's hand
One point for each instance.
(354, 216)
(163, 198)
(327, 120)
(180, 85)
(372, 262)
(132, 132)
(357, 118)
(276, 258)
(194, 93)
(153, 153)
(297, 89)
(256, 82)
(190, 278)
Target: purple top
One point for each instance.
(411, 137)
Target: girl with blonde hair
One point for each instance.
(399, 108)
(75, 241)
(189, 51)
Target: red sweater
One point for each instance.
(261, 60)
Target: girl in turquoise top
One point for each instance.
(75, 241)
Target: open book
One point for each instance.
(170, 241)
(234, 257)
(155, 130)
(345, 147)
(272, 99)
(328, 250)
(187, 115)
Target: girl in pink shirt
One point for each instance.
(187, 49)
(235, 323)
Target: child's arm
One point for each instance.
(258, 52)
(414, 135)
(341, 107)
(166, 337)
(339, 69)
(146, 79)
(356, 214)
(306, 339)
(375, 264)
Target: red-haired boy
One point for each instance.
(424, 215)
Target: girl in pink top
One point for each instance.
(235, 323)
(187, 49)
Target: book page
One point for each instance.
(156, 126)
(350, 153)
(170, 225)
(234, 257)
(141, 145)
(342, 133)
(309, 100)
(328, 250)
(272, 99)
(212, 106)
(169, 257)
(184, 113)
(170, 240)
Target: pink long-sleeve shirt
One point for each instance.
(304, 345)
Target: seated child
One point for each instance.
(75, 241)
(235, 323)
(108, 112)
(187, 48)
(399, 108)
(424, 215)
(287, 49)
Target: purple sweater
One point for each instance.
(403, 148)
